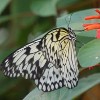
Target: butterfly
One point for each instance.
(50, 61)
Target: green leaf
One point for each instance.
(64, 93)
(81, 40)
(89, 54)
(76, 20)
(44, 7)
(3, 4)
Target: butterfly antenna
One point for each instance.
(70, 17)
(69, 20)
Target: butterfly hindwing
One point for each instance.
(51, 79)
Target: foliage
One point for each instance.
(64, 93)
(21, 21)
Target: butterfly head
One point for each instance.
(71, 33)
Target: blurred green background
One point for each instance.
(23, 20)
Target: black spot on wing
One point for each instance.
(31, 60)
(57, 75)
(39, 46)
(37, 63)
(51, 36)
(43, 77)
(58, 35)
(40, 70)
(53, 49)
(50, 78)
(53, 72)
(51, 58)
(27, 50)
(58, 61)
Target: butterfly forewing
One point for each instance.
(50, 61)
(53, 43)
(28, 62)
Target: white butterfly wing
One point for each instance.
(28, 62)
(51, 79)
(50, 61)
(69, 69)
(59, 49)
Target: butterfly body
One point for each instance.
(50, 61)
